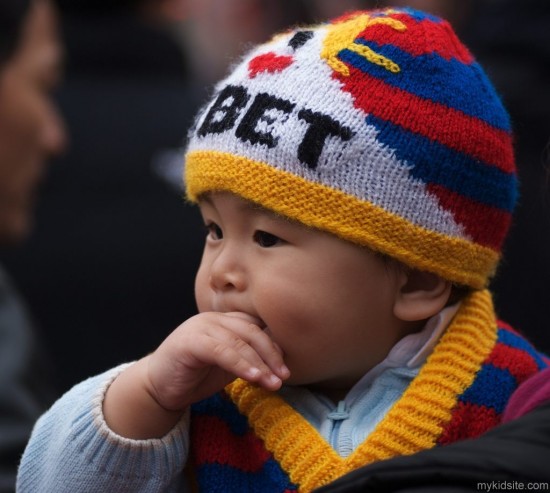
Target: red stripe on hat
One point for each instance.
(423, 37)
(480, 140)
(485, 224)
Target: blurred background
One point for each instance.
(108, 270)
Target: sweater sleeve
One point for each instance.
(73, 450)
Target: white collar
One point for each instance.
(409, 352)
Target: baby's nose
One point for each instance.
(227, 271)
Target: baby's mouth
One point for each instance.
(265, 328)
(260, 323)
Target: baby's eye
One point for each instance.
(214, 231)
(265, 239)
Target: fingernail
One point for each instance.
(284, 371)
(274, 379)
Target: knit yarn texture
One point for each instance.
(378, 127)
(247, 439)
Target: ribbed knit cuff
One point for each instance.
(136, 459)
(73, 450)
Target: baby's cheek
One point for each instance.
(203, 297)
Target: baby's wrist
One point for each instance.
(150, 388)
(131, 409)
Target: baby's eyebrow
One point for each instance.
(253, 206)
(256, 208)
(205, 198)
(249, 206)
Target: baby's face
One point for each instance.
(326, 302)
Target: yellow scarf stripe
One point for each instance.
(413, 424)
(361, 222)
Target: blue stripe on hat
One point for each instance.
(434, 78)
(434, 163)
(415, 14)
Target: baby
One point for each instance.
(356, 181)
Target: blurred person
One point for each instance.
(31, 131)
(31, 127)
(104, 264)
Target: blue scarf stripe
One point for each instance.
(221, 478)
(492, 388)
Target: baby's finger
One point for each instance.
(236, 356)
(269, 352)
(243, 316)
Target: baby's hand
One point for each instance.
(207, 352)
(199, 358)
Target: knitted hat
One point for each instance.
(378, 127)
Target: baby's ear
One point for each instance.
(420, 296)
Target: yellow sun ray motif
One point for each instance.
(342, 36)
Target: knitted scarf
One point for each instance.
(247, 439)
